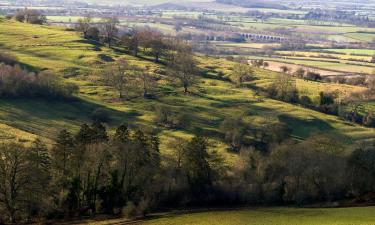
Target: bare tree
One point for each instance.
(109, 29)
(117, 75)
(158, 47)
(14, 177)
(84, 24)
(144, 80)
(132, 41)
(183, 68)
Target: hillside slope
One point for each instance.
(213, 98)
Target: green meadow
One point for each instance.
(214, 98)
(260, 216)
(272, 216)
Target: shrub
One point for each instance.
(30, 16)
(93, 33)
(305, 100)
(143, 207)
(234, 130)
(130, 210)
(100, 115)
(8, 59)
(284, 88)
(326, 98)
(362, 169)
(162, 114)
(369, 120)
(16, 82)
(313, 76)
(181, 120)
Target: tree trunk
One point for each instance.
(144, 93)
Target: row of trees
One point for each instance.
(152, 42)
(93, 172)
(17, 82)
(106, 29)
(128, 79)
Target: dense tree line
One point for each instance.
(339, 16)
(91, 172)
(17, 82)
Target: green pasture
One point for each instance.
(349, 51)
(258, 216)
(213, 98)
(345, 66)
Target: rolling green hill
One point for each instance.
(68, 55)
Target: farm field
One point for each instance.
(275, 66)
(369, 52)
(324, 64)
(357, 55)
(260, 216)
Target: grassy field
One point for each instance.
(348, 51)
(214, 98)
(337, 65)
(362, 54)
(260, 216)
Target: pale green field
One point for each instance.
(327, 64)
(339, 56)
(368, 52)
(246, 45)
(362, 37)
(261, 216)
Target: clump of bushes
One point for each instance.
(101, 115)
(8, 59)
(284, 88)
(16, 82)
(312, 76)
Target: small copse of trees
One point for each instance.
(30, 16)
(16, 82)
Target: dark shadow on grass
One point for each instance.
(47, 117)
(303, 128)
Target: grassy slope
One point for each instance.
(262, 216)
(42, 47)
